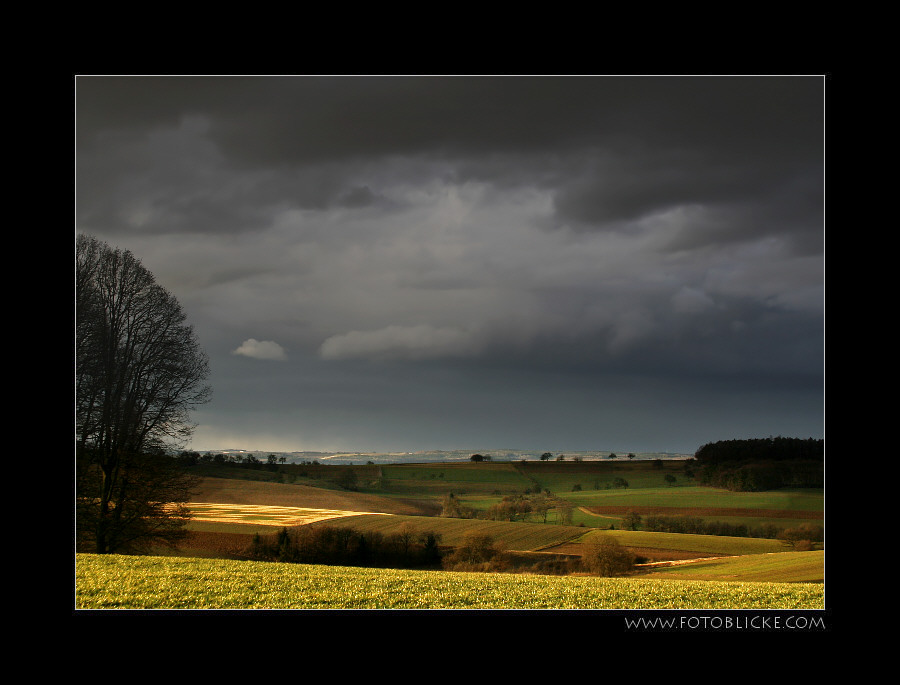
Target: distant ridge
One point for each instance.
(426, 456)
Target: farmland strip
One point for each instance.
(621, 510)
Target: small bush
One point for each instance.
(605, 556)
(476, 553)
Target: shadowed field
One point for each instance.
(232, 491)
(737, 512)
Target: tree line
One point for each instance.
(761, 449)
(761, 464)
(336, 545)
(685, 523)
(190, 458)
(759, 476)
(407, 548)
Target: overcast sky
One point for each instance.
(410, 263)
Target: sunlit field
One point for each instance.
(780, 567)
(125, 582)
(262, 514)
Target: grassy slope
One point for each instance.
(785, 567)
(122, 582)
(234, 491)
(805, 502)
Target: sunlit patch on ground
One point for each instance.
(263, 514)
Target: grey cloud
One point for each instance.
(358, 196)
(261, 349)
(422, 341)
(296, 120)
(471, 238)
(710, 200)
(249, 147)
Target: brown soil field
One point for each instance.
(228, 491)
(708, 511)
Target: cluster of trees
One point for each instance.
(452, 508)
(130, 504)
(547, 456)
(477, 552)
(761, 464)
(762, 449)
(512, 508)
(803, 536)
(334, 545)
(603, 556)
(606, 556)
(139, 371)
(758, 476)
(189, 458)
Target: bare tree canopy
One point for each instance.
(139, 373)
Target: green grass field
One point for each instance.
(123, 582)
(590, 484)
(461, 478)
(694, 496)
(783, 567)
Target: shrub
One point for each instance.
(631, 521)
(478, 552)
(553, 566)
(605, 556)
(802, 537)
(453, 508)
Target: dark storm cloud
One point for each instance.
(613, 149)
(278, 120)
(375, 245)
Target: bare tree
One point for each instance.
(139, 373)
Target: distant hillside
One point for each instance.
(504, 454)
